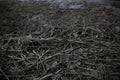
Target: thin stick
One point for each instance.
(46, 76)
(4, 74)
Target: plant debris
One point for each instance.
(40, 41)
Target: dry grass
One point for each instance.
(39, 41)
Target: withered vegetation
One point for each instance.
(40, 41)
